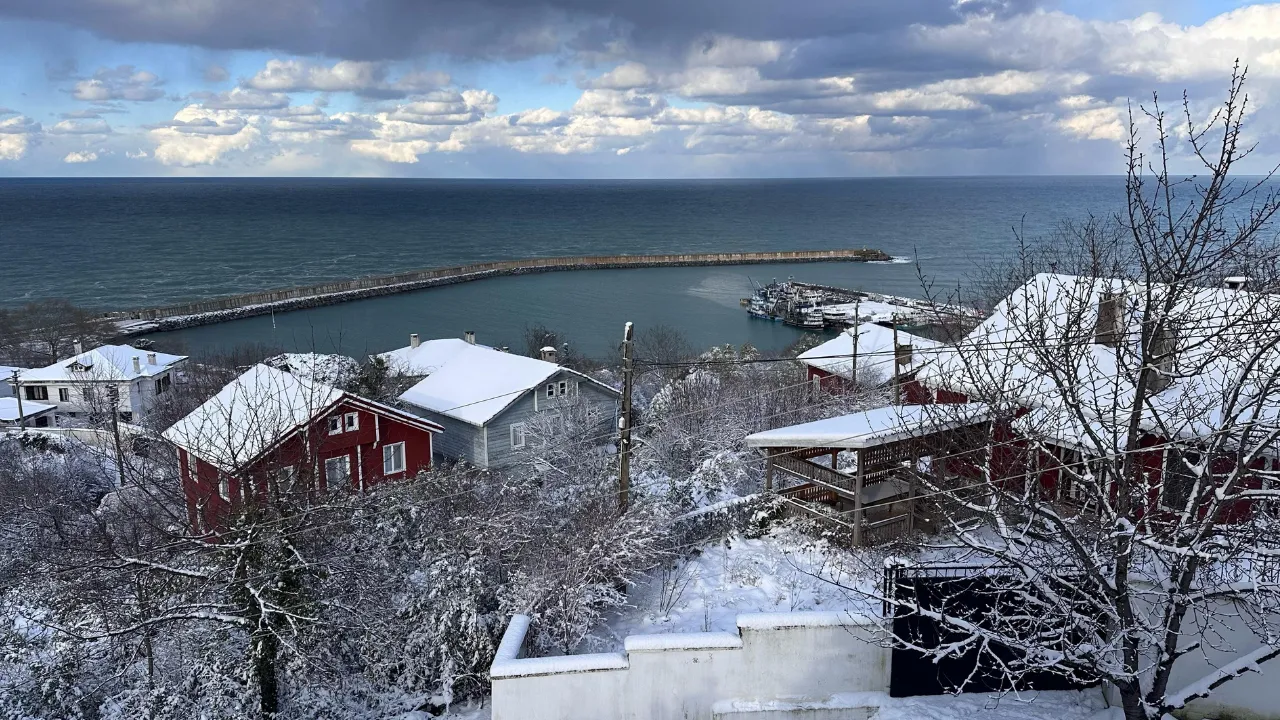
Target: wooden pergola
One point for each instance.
(876, 502)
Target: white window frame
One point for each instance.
(330, 463)
(562, 387)
(518, 430)
(396, 451)
(351, 421)
(551, 390)
(64, 394)
(335, 425)
(224, 486)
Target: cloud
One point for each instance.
(385, 29)
(80, 157)
(203, 136)
(241, 99)
(91, 126)
(119, 83)
(216, 74)
(17, 135)
(367, 79)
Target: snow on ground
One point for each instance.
(1055, 705)
(784, 571)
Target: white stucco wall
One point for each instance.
(803, 656)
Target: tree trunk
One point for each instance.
(1131, 700)
(264, 671)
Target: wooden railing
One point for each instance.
(814, 472)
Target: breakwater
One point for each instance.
(204, 312)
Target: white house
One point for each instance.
(420, 359)
(84, 385)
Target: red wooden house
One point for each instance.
(269, 432)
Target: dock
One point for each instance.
(232, 307)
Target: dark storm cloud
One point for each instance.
(376, 29)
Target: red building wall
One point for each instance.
(363, 446)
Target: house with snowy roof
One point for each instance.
(419, 359)
(1060, 358)
(867, 353)
(90, 384)
(486, 399)
(270, 431)
(16, 413)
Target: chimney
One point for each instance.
(151, 358)
(469, 336)
(78, 347)
(547, 354)
(1163, 349)
(1110, 315)
(1236, 282)
(137, 364)
(414, 340)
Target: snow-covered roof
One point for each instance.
(428, 357)
(250, 415)
(318, 367)
(105, 363)
(873, 427)
(874, 351)
(1042, 339)
(478, 382)
(9, 409)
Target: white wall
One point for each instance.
(803, 657)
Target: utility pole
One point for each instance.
(857, 323)
(113, 397)
(624, 424)
(17, 392)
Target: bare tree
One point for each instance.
(1125, 484)
(43, 332)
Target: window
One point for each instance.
(551, 389)
(64, 394)
(337, 471)
(1178, 478)
(287, 478)
(37, 392)
(393, 459)
(517, 435)
(224, 487)
(352, 421)
(163, 384)
(335, 425)
(563, 388)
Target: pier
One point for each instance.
(231, 307)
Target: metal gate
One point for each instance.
(969, 593)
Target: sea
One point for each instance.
(116, 244)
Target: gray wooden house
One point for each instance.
(487, 399)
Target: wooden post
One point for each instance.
(17, 392)
(834, 454)
(857, 311)
(113, 397)
(624, 424)
(857, 502)
(768, 470)
(897, 388)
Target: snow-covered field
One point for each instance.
(784, 571)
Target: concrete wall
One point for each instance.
(801, 658)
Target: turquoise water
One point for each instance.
(114, 244)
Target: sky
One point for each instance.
(615, 88)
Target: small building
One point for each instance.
(866, 353)
(30, 414)
(484, 399)
(868, 489)
(88, 385)
(268, 430)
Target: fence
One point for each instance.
(802, 660)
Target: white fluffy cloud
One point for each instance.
(80, 157)
(17, 135)
(202, 136)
